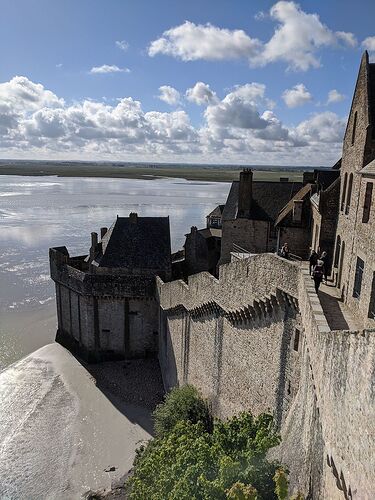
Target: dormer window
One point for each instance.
(354, 127)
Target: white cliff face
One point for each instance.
(58, 431)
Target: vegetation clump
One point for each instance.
(195, 457)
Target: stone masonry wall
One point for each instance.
(321, 394)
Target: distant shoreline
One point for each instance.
(210, 173)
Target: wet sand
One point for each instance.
(60, 428)
(24, 331)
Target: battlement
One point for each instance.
(257, 338)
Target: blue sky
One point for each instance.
(214, 81)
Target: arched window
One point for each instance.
(337, 253)
(354, 127)
(349, 195)
(344, 192)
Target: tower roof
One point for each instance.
(134, 242)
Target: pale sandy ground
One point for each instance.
(59, 431)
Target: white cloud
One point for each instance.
(324, 127)
(296, 96)
(191, 42)
(334, 96)
(201, 94)
(297, 38)
(35, 123)
(60, 65)
(122, 45)
(369, 43)
(106, 68)
(169, 95)
(348, 38)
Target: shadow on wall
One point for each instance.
(134, 387)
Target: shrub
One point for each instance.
(191, 462)
(182, 403)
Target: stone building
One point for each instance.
(250, 213)
(106, 303)
(202, 250)
(214, 218)
(354, 256)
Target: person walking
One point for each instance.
(324, 259)
(313, 259)
(318, 274)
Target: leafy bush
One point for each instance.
(191, 463)
(182, 403)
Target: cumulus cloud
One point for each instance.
(369, 44)
(298, 36)
(122, 45)
(296, 39)
(348, 38)
(36, 123)
(201, 94)
(324, 127)
(334, 96)
(296, 96)
(169, 95)
(106, 68)
(191, 42)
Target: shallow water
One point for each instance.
(41, 212)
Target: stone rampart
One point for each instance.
(257, 339)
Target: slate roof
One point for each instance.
(269, 198)
(217, 212)
(302, 193)
(210, 232)
(138, 243)
(369, 169)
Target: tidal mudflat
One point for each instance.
(40, 212)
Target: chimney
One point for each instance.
(94, 245)
(103, 230)
(297, 210)
(245, 193)
(133, 217)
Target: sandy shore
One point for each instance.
(60, 428)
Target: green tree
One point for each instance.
(191, 463)
(181, 403)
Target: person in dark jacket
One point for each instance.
(318, 274)
(313, 259)
(324, 258)
(284, 252)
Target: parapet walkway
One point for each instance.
(337, 314)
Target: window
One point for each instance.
(358, 278)
(354, 127)
(337, 253)
(371, 309)
(344, 192)
(296, 340)
(349, 195)
(367, 202)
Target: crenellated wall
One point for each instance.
(257, 339)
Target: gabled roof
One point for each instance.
(268, 199)
(300, 196)
(217, 212)
(137, 243)
(369, 169)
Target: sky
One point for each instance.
(208, 81)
